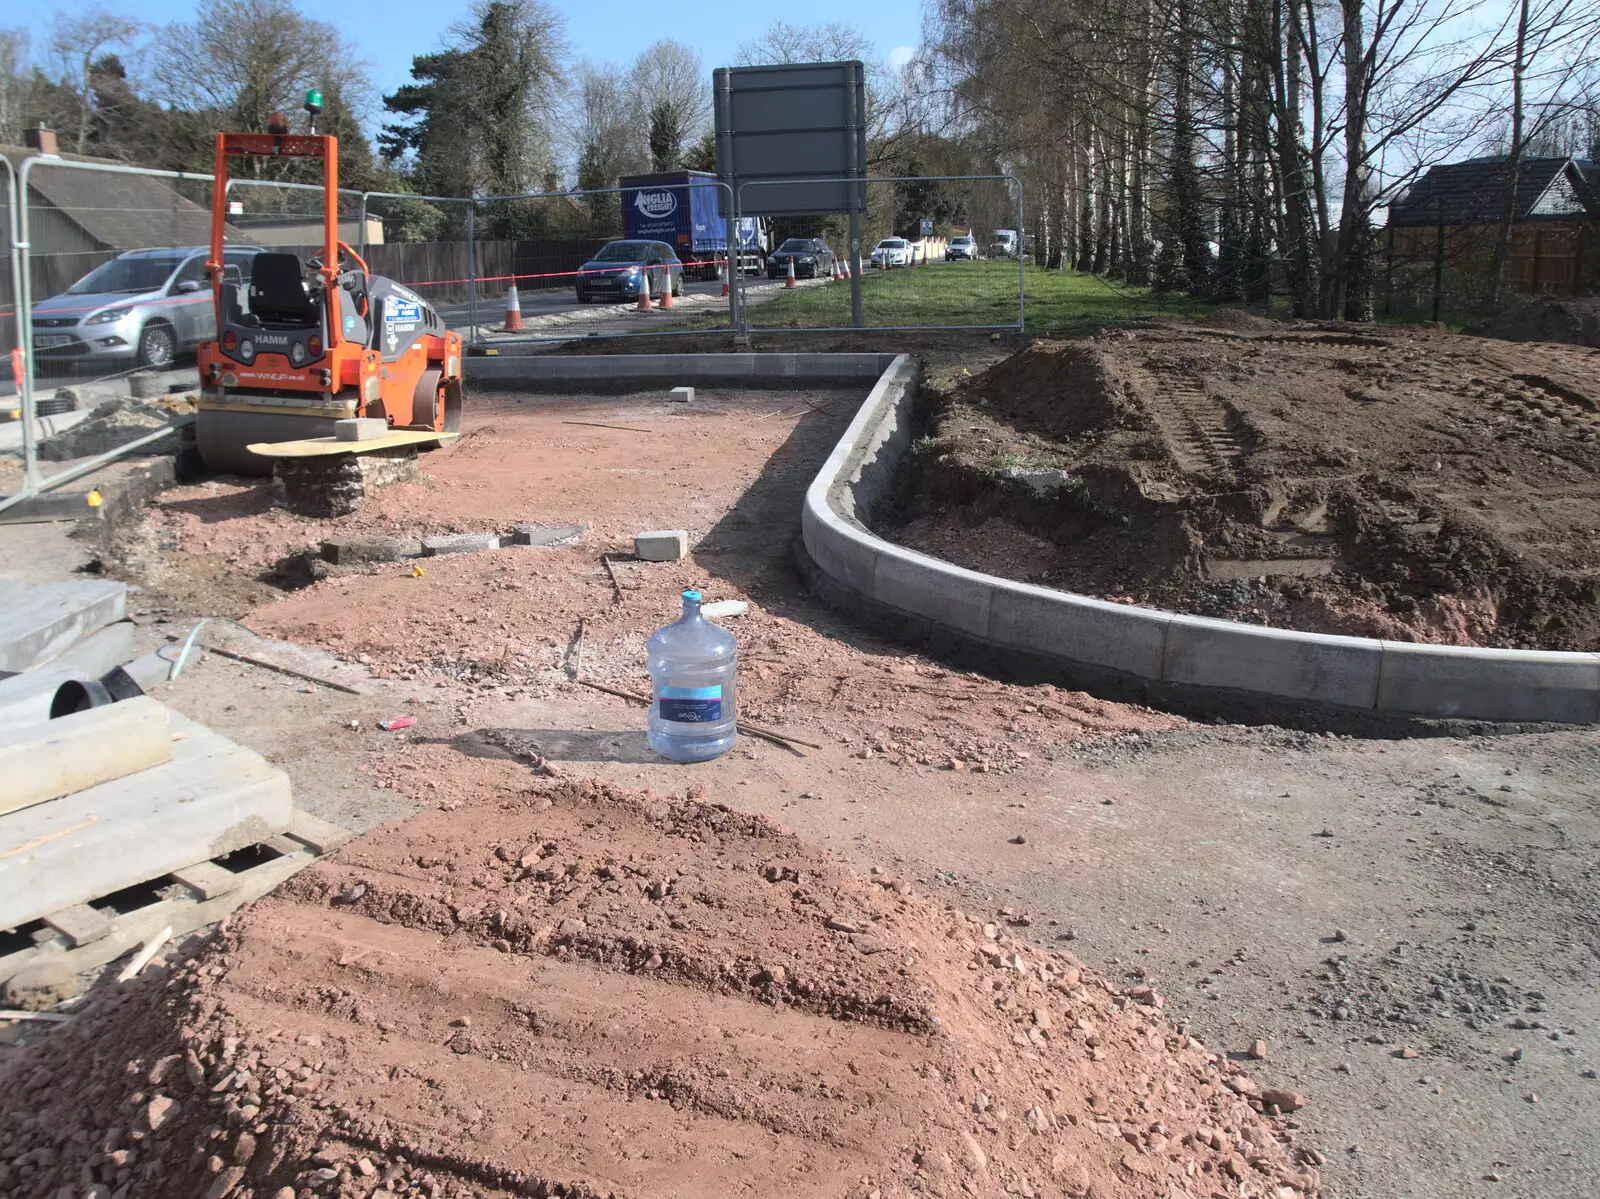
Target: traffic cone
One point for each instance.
(790, 283)
(644, 292)
(513, 310)
(842, 269)
(666, 296)
(16, 368)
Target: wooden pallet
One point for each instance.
(86, 936)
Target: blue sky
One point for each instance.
(388, 34)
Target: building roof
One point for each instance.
(117, 210)
(1473, 192)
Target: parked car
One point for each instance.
(617, 272)
(964, 246)
(892, 251)
(811, 256)
(147, 305)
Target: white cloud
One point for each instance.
(900, 55)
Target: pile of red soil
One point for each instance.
(566, 989)
(1410, 485)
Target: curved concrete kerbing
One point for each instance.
(1388, 677)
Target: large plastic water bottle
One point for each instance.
(692, 710)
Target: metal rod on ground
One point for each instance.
(616, 587)
(597, 425)
(52, 1017)
(247, 659)
(755, 730)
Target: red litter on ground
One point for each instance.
(399, 722)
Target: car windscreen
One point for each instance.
(130, 275)
(622, 251)
(893, 243)
(960, 241)
(796, 245)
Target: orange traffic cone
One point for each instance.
(16, 368)
(666, 296)
(644, 292)
(844, 266)
(790, 283)
(513, 310)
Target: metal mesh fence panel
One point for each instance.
(112, 282)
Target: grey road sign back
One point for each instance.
(793, 122)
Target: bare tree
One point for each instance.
(76, 43)
(13, 83)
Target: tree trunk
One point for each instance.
(1353, 285)
(1501, 258)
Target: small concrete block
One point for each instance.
(684, 395)
(547, 534)
(459, 543)
(359, 428)
(663, 545)
(342, 551)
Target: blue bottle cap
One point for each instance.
(692, 595)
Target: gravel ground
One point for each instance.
(1343, 901)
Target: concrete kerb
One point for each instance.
(1145, 651)
(595, 372)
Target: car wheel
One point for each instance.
(157, 346)
(677, 287)
(583, 299)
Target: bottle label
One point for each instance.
(691, 705)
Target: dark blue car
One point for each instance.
(617, 272)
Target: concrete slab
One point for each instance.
(535, 535)
(40, 621)
(683, 395)
(1080, 629)
(46, 760)
(1489, 684)
(213, 797)
(1302, 666)
(459, 543)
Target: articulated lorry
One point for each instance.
(681, 209)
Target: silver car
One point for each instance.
(145, 305)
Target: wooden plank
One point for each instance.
(76, 752)
(183, 915)
(317, 447)
(283, 844)
(80, 924)
(207, 879)
(318, 835)
(212, 798)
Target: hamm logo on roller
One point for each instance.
(656, 205)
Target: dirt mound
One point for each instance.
(1409, 485)
(115, 423)
(570, 990)
(1571, 320)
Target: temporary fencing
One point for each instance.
(82, 334)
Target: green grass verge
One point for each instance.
(974, 293)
